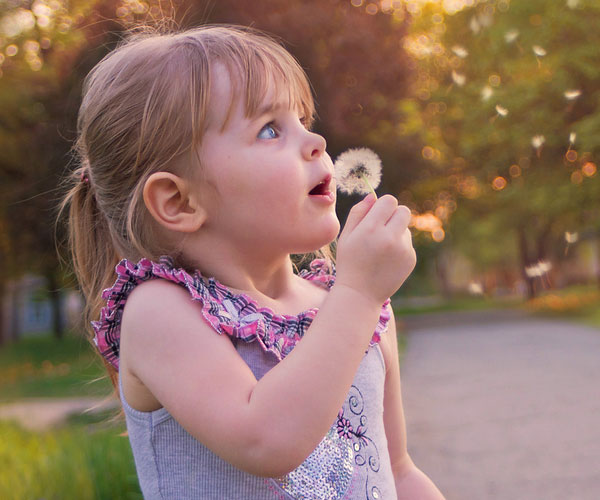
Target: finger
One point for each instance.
(358, 212)
(400, 219)
(382, 211)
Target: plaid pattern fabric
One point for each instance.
(237, 315)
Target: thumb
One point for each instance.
(358, 212)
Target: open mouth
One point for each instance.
(322, 188)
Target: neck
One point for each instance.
(270, 276)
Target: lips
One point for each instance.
(322, 188)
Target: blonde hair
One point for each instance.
(144, 110)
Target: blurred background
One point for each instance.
(485, 114)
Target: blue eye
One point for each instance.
(268, 132)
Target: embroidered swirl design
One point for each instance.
(366, 453)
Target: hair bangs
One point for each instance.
(256, 70)
(283, 75)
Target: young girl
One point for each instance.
(239, 379)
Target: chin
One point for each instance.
(318, 240)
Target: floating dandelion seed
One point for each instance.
(460, 51)
(544, 266)
(475, 288)
(532, 271)
(474, 25)
(501, 111)
(511, 36)
(537, 141)
(486, 93)
(538, 270)
(458, 78)
(539, 51)
(571, 95)
(570, 154)
(573, 4)
(358, 171)
(571, 237)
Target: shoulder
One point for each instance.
(150, 299)
(157, 315)
(152, 294)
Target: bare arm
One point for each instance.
(268, 427)
(411, 482)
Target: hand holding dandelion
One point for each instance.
(358, 171)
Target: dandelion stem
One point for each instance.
(364, 178)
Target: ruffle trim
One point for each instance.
(236, 315)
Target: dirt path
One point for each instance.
(500, 406)
(44, 413)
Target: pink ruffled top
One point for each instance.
(236, 315)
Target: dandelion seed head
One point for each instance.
(537, 141)
(501, 110)
(354, 164)
(572, 137)
(511, 35)
(539, 51)
(572, 94)
(458, 78)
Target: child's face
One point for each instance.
(263, 170)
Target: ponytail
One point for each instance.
(92, 252)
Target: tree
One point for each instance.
(510, 99)
(39, 92)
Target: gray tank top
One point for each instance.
(351, 462)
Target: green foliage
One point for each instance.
(47, 367)
(74, 462)
(490, 94)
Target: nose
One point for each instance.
(314, 146)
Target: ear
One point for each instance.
(171, 203)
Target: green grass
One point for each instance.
(81, 461)
(459, 303)
(87, 457)
(592, 317)
(580, 303)
(46, 367)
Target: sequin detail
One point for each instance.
(325, 475)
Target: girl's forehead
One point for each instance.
(229, 103)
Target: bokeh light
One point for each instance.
(589, 169)
(499, 183)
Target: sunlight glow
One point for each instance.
(19, 21)
(428, 222)
(415, 7)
